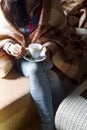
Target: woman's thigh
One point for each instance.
(26, 68)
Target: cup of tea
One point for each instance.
(35, 49)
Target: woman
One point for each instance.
(23, 23)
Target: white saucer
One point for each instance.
(29, 58)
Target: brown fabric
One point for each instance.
(66, 46)
(6, 63)
(76, 12)
(70, 6)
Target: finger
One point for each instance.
(44, 49)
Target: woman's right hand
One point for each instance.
(16, 50)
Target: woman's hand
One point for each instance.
(47, 52)
(16, 50)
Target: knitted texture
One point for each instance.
(72, 112)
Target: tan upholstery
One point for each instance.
(16, 104)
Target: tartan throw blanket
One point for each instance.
(6, 63)
(66, 46)
(76, 12)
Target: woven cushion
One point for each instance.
(72, 112)
(6, 63)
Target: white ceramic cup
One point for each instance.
(35, 49)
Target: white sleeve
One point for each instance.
(6, 47)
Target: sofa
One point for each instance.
(18, 111)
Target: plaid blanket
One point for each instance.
(66, 46)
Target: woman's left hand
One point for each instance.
(47, 52)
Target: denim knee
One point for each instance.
(34, 68)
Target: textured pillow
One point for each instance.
(6, 63)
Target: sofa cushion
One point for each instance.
(12, 87)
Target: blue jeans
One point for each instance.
(45, 89)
